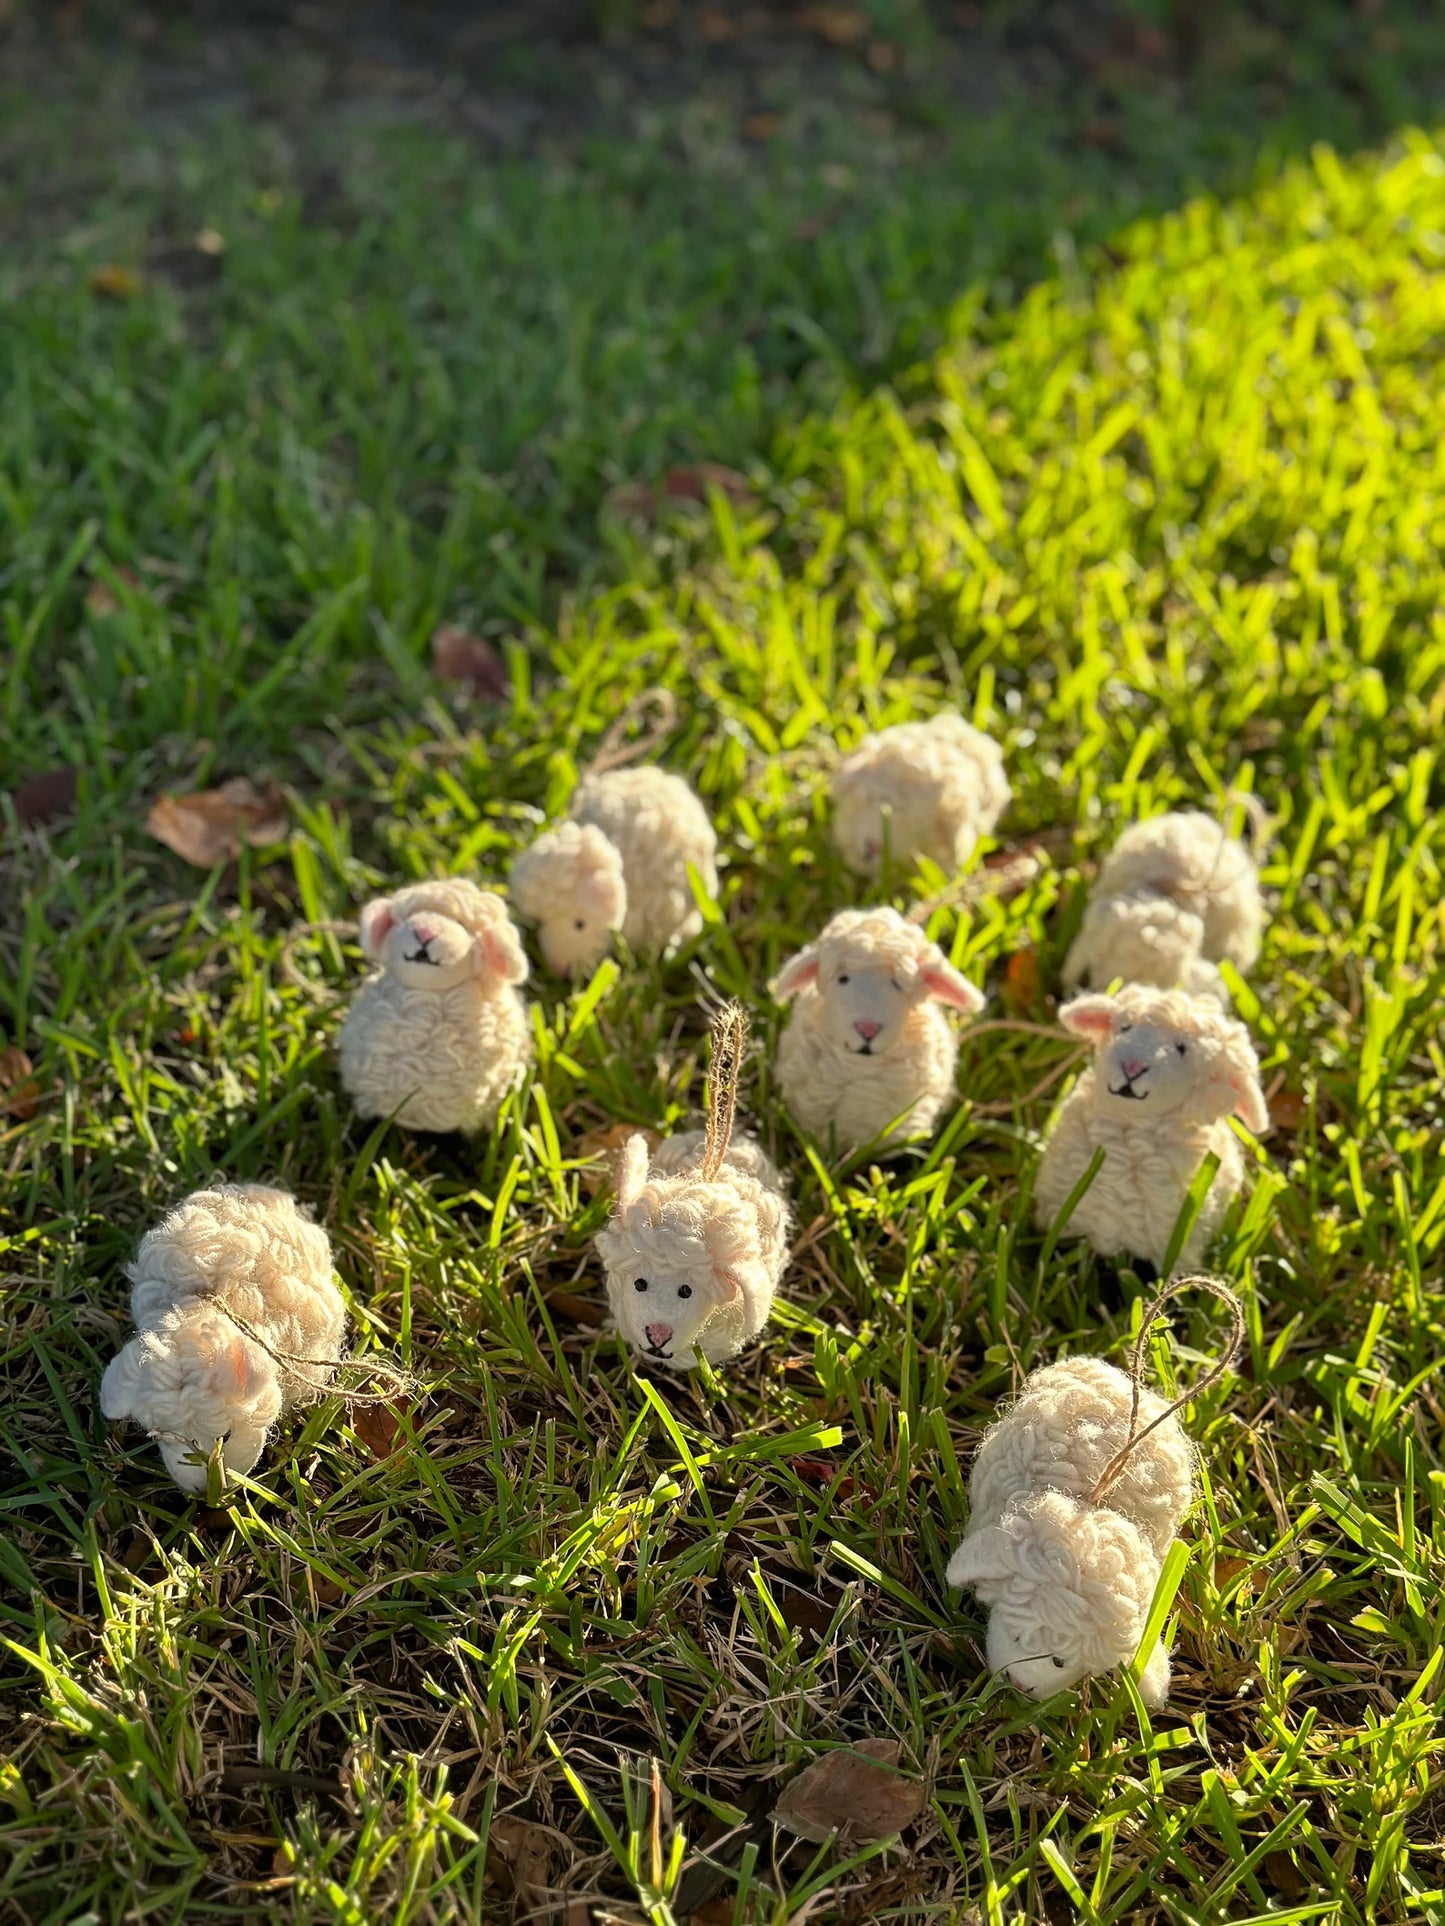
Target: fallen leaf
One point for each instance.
(854, 1791)
(715, 25)
(601, 1148)
(581, 1310)
(1102, 134)
(884, 57)
(761, 126)
(327, 1591)
(1287, 1109)
(1283, 1874)
(101, 599)
(690, 482)
(41, 798)
(804, 1613)
(20, 1090)
(116, 282)
(1021, 981)
(210, 826)
(839, 26)
(379, 1426)
(523, 1852)
(457, 656)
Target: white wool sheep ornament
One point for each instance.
(868, 1051)
(698, 1238)
(438, 1035)
(918, 789)
(621, 861)
(1076, 1495)
(1174, 898)
(238, 1321)
(1169, 1071)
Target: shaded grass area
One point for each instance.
(1169, 523)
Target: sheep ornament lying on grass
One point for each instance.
(438, 1035)
(918, 789)
(1169, 1071)
(1173, 899)
(1076, 1495)
(699, 1237)
(237, 1321)
(868, 1052)
(620, 862)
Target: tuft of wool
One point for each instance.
(237, 1320)
(438, 1035)
(1169, 1071)
(919, 789)
(1069, 1580)
(868, 1051)
(693, 1263)
(1174, 898)
(620, 863)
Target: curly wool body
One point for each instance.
(621, 863)
(1174, 898)
(439, 1035)
(232, 1285)
(867, 1052)
(1068, 1580)
(1169, 1071)
(693, 1264)
(918, 789)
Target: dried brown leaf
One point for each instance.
(1021, 982)
(50, 794)
(1287, 1109)
(211, 826)
(855, 1791)
(379, 1427)
(603, 1147)
(20, 1090)
(458, 656)
(581, 1310)
(1284, 1875)
(523, 1853)
(839, 26)
(115, 281)
(761, 126)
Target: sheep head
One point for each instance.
(675, 1252)
(1160, 1053)
(1068, 1585)
(190, 1381)
(570, 884)
(871, 969)
(433, 936)
(1142, 936)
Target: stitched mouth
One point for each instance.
(864, 1049)
(656, 1351)
(422, 957)
(1126, 1089)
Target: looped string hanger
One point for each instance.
(614, 751)
(729, 1041)
(1005, 880)
(1114, 1470)
(392, 1381)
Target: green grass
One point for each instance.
(1169, 523)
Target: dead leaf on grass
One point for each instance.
(855, 1791)
(1021, 982)
(379, 1427)
(210, 826)
(458, 656)
(115, 281)
(41, 798)
(523, 1853)
(1284, 1875)
(1287, 1109)
(839, 26)
(603, 1147)
(761, 126)
(581, 1310)
(20, 1090)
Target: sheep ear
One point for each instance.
(798, 973)
(951, 986)
(631, 1171)
(983, 1555)
(1249, 1104)
(605, 893)
(117, 1386)
(729, 1285)
(1154, 1679)
(1089, 1016)
(377, 923)
(498, 952)
(230, 1371)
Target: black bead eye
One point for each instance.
(1057, 1663)
(684, 1290)
(1124, 1029)
(639, 1284)
(842, 979)
(1182, 1048)
(580, 924)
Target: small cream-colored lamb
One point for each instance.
(918, 789)
(1169, 1071)
(698, 1239)
(237, 1321)
(1069, 1579)
(1173, 899)
(620, 863)
(438, 1035)
(867, 1051)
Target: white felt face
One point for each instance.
(662, 1294)
(1030, 1654)
(576, 939)
(864, 1009)
(1145, 1071)
(240, 1452)
(428, 951)
(866, 821)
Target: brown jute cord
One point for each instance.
(1006, 879)
(729, 1041)
(297, 934)
(614, 751)
(396, 1383)
(1114, 1470)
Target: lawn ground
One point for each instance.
(1166, 517)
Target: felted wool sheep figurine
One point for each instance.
(438, 1035)
(619, 863)
(1068, 1571)
(237, 1321)
(1173, 899)
(1169, 1071)
(918, 789)
(867, 1051)
(698, 1238)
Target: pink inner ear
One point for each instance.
(377, 923)
(951, 987)
(797, 975)
(502, 956)
(1088, 1017)
(729, 1285)
(1250, 1106)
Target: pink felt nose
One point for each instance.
(422, 930)
(872, 846)
(658, 1333)
(1133, 1067)
(866, 1028)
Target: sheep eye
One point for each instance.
(1124, 1029)
(684, 1290)
(842, 979)
(1182, 1048)
(640, 1284)
(1057, 1663)
(580, 924)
